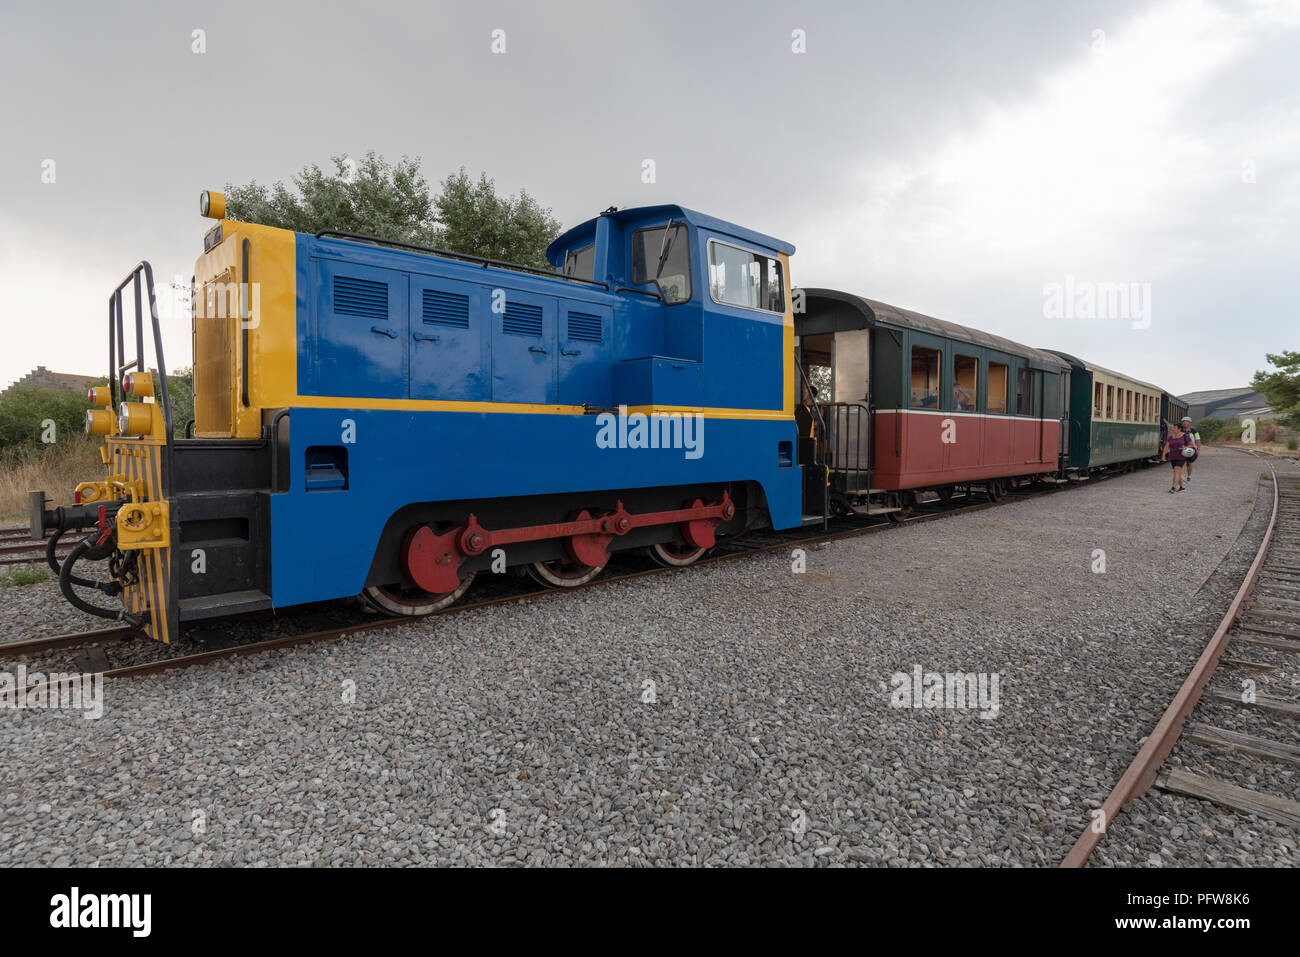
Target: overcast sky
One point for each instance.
(956, 158)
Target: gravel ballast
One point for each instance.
(736, 713)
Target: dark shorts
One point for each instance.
(1178, 461)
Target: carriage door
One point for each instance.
(361, 331)
(524, 347)
(1063, 453)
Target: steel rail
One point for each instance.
(50, 642)
(1141, 773)
(789, 538)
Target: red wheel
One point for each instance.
(432, 581)
(408, 600)
(675, 554)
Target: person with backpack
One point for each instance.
(1194, 441)
(1173, 447)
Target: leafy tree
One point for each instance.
(1282, 387)
(394, 201)
(373, 196)
(180, 392)
(476, 220)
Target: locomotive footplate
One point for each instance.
(433, 560)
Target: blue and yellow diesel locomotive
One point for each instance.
(384, 420)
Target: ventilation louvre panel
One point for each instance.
(522, 319)
(360, 297)
(585, 327)
(446, 308)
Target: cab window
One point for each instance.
(581, 263)
(739, 277)
(661, 255)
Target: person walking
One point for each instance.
(1173, 449)
(1194, 440)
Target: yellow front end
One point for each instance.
(245, 329)
(143, 530)
(133, 454)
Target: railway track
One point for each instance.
(727, 549)
(1263, 620)
(17, 547)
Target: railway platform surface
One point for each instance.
(734, 713)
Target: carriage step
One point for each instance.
(880, 510)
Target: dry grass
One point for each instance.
(55, 470)
(1272, 448)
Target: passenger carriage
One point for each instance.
(919, 404)
(1114, 418)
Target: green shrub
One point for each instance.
(1291, 443)
(1213, 429)
(30, 418)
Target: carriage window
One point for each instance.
(674, 276)
(925, 378)
(997, 388)
(743, 278)
(581, 263)
(1026, 392)
(1110, 401)
(1096, 400)
(965, 383)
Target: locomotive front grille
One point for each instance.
(213, 386)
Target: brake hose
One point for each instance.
(53, 561)
(67, 580)
(49, 549)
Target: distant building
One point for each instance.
(43, 378)
(1228, 404)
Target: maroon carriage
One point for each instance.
(918, 405)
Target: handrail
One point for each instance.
(818, 443)
(846, 449)
(448, 254)
(274, 430)
(245, 317)
(116, 337)
(644, 292)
